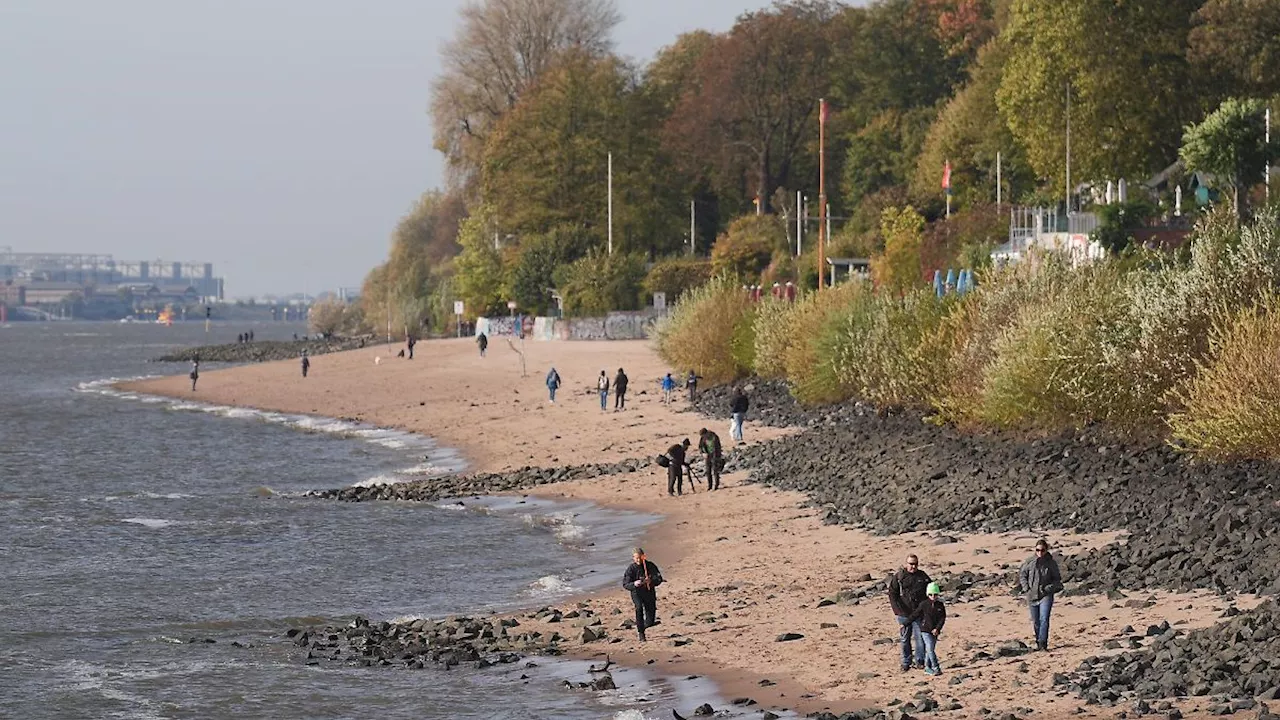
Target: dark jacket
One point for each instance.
(931, 614)
(636, 574)
(1039, 578)
(676, 453)
(740, 403)
(907, 591)
(709, 444)
(620, 383)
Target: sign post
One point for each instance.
(458, 309)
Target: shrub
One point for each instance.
(897, 270)
(676, 276)
(1232, 404)
(747, 247)
(699, 332)
(598, 283)
(807, 356)
(772, 333)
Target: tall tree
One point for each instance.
(1237, 44)
(1126, 65)
(1231, 144)
(501, 47)
(754, 103)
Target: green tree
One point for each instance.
(598, 283)
(884, 153)
(479, 280)
(897, 270)
(676, 276)
(1236, 44)
(1130, 84)
(747, 247)
(1231, 145)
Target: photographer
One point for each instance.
(640, 579)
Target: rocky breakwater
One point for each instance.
(453, 486)
(263, 350)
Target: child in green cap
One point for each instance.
(932, 615)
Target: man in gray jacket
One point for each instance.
(1040, 581)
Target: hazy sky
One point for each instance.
(279, 139)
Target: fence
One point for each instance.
(614, 326)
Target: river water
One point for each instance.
(135, 530)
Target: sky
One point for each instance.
(280, 140)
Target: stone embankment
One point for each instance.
(454, 486)
(263, 350)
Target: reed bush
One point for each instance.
(772, 333)
(1231, 405)
(809, 356)
(699, 332)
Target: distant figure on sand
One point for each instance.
(620, 391)
(675, 468)
(713, 454)
(602, 384)
(1040, 580)
(641, 579)
(908, 588)
(411, 342)
(250, 336)
(739, 408)
(553, 384)
(195, 373)
(240, 339)
(483, 341)
(306, 363)
(668, 387)
(692, 384)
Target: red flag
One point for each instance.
(824, 112)
(946, 176)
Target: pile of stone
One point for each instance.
(770, 403)
(1191, 525)
(452, 486)
(1230, 664)
(263, 350)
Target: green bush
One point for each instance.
(808, 357)
(699, 332)
(747, 247)
(598, 283)
(676, 276)
(1232, 404)
(772, 333)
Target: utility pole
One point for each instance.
(998, 184)
(610, 203)
(692, 226)
(1068, 188)
(822, 185)
(1266, 171)
(799, 222)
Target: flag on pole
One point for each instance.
(946, 177)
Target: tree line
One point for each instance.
(714, 137)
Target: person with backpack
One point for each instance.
(553, 384)
(602, 384)
(676, 454)
(908, 588)
(931, 615)
(712, 453)
(1040, 580)
(641, 579)
(620, 391)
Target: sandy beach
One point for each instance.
(745, 564)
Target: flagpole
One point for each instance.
(998, 183)
(822, 186)
(610, 203)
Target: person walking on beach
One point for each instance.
(620, 391)
(907, 589)
(1040, 580)
(692, 384)
(553, 384)
(738, 407)
(411, 342)
(195, 373)
(712, 452)
(602, 385)
(251, 336)
(668, 387)
(483, 341)
(931, 616)
(675, 469)
(641, 579)
(306, 363)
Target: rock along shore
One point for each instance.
(263, 350)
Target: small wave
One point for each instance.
(628, 715)
(550, 586)
(455, 505)
(377, 480)
(153, 523)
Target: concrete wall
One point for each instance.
(614, 326)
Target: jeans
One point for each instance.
(552, 390)
(646, 609)
(604, 399)
(930, 651)
(736, 431)
(908, 632)
(1040, 611)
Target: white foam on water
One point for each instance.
(549, 586)
(377, 480)
(456, 506)
(628, 715)
(153, 523)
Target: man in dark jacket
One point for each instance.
(709, 446)
(483, 341)
(907, 590)
(739, 408)
(640, 579)
(675, 469)
(620, 390)
(1040, 580)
